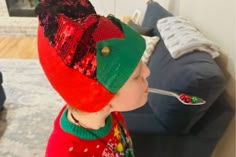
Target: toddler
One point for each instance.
(93, 62)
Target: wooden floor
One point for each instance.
(19, 48)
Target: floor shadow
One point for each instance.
(3, 121)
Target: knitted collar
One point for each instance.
(79, 132)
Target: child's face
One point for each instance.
(133, 94)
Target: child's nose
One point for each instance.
(146, 70)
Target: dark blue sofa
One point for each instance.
(2, 93)
(166, 128)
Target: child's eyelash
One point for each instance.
(136, 77)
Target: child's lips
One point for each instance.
(146, 91)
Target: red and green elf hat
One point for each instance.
(86, 57)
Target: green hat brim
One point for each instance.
(115, 68)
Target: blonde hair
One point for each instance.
(72, 109)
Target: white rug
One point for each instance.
(31, 108)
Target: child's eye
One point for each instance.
(136, 77)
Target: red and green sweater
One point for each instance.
(70, 140)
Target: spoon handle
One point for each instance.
(163, 92)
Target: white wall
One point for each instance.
(118, 8)
(121, 8)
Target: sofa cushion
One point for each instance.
(0, 78)
(142, 30)
(2, 93)
(195, 74)
(204, 135)
(144, 121)
(153, 13)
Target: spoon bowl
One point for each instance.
(183, 98)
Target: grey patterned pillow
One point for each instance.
(151, 43)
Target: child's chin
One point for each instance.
(143, 102)
(140, 105)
